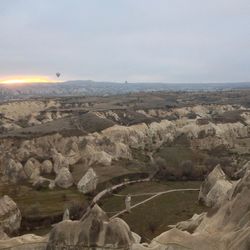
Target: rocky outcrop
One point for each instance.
(64, 178)
(88, 182)
(46, 167)
(13, 171)
(66, 215)
(10, 215)
(241, 172)
(32, 168)
(59, 161)
(119, 142)
(95, 230)
(33, 121)
(214, 189)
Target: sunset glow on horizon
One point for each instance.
(24, 80)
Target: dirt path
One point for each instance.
(109, 190)
(154, 196)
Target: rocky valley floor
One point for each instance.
(58, 153)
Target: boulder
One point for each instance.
(66, 215)
(52, 185)
(10, 215)
(214, 190)
(64, 178)
(41, 182)
(88, 182)
(95, 229)
(14, 171)
(46, 167)
(32, 168)
(59, 161)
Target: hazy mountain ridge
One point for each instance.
(88, 87)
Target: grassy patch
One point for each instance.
(153, 217)
(43, 202)
(174, 155)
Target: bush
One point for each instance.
(187, 167)
(76, 209)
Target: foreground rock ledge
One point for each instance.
(95, 230)
(227, 228)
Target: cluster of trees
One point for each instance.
(186, 170)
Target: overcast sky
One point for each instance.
(134, 40)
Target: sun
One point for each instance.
(24, 80)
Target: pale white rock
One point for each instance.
(66, 215)
(240, 173)
(88, 182)
(10, 215)
(46, 167)
(47, 117)
(64, 178)
(218, 193)
(95, 229)
(21, 109)
(214, 190)
(52, 185)
(13, 171)
(94, 155)
(59, 161)
(137, 237)
(32, 168)
(73, 157)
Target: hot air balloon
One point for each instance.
(58, 74)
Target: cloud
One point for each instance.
(169, 41)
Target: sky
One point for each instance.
(172, 41)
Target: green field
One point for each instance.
(45, 202)
(148, 220)
(152, 218)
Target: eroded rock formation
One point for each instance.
(214, 189)
(88, 182)
(10, 215)
(93, 231)
(64, 178)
